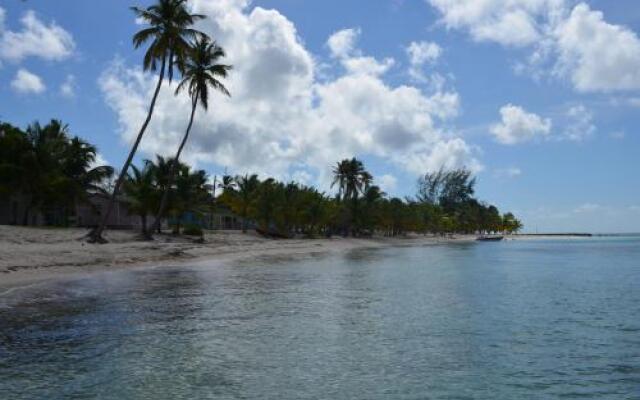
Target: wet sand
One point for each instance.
(34, 254)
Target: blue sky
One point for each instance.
(539, 97)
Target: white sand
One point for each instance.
(34, 254)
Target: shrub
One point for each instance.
(192, 230)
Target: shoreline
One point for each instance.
(31, 255)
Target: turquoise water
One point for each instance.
(509, 320)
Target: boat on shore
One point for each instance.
(490, 238)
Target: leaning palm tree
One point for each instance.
(200, 72)
(169, 32)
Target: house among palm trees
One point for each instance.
(13, 211)
(89, 214)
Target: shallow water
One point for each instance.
(509, 320)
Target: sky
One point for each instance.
(540, 98)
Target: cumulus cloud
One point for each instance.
(518, 126)
(571, 42)
(36, 39)
(343, 46)
(510, 23)
(26, 82)
(281, 118)
(420, 54)
(596, 55)
(342, 43)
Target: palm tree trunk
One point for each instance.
(174, 169)
(96, 235)
(143, 220)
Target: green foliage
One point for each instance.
(188, 193)
(169, 33)
(50, 170)
(193, 230)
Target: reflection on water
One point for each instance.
(490, 321)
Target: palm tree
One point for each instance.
(352, 180)
(227, 184)
(243, 196)
(169, 32)
(82, 177)
(45, 183)
(200, 71)
(191, 194)
(141, 191)
(351, 177)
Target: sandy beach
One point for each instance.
(31, 254)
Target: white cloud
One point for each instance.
(575, 43)
(343, 46)
(508, 22)
(519, 126)
(342, 43)
(99, 161)
(580, 124)
(421, 53)
(36, 39)
(281, 118)
(596, 55)
(367, 65)
(26, 82)
(387, 183)
(68, 87)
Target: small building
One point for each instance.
(90, 214)
(220, 218)
(13, 212)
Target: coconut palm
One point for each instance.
(190, 194)
(351, 177)
(243, 197)
(169, 34)
(352, 180)
(227, 184)
(82, 176)
(141, 192)
(201, 71)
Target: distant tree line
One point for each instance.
(444, 204)
(53, 171)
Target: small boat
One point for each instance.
(490, 238)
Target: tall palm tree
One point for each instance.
(351, 177)
(200, 72)
(169, 32)
(352, 180)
